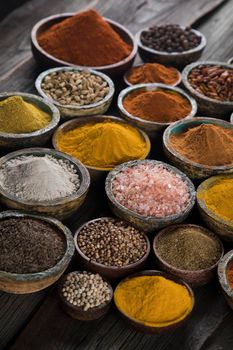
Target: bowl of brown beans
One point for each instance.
(76, 91)
(210, 83)
(111, 247)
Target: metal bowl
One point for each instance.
(48, 60)
(230, 61)
(35, 138)
(33, 282)
(206, 105)
(222, 277)
(71, 111)
(147, 223)
(177, 59)
(190, 168)
(59, 208)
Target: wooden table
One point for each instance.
(36, 321)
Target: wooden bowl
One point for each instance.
(149, 126)
(59, 208)
(71, 111)
(147, 223)
(33, 282)
(222, 227)
(207, 105)
(78, 312)
(194, 278)
(109, 272)
(125, 77)
(222, 277)
(176, 59)
(95, 172)
(139, 326)
(35, 138)
(48, 60)
(190, 168)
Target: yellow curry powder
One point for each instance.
(103, 145)
(219, 198)
(153, 300)
(18, 116)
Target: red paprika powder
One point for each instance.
(229, 273)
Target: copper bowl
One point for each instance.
(222, 277)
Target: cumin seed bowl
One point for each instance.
(151, 127)
(147, 223)
(193, 277)
(71, 111)
(47, 60)
(177, 59)
(60, 208)
(195, 171)
(96, 173)
(207, 105)
(34, 282)
(77, 312)
(107, 271)
(139, 326)
(222, 227)
(36, 138)
(222, 277)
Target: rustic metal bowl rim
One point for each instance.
(37, 276)
(186, 71)
(230, 61)
(110, 267)
(81, 169)
(106, 78)
(149, 219)
(70, 14)
(95, 118)
(168, 146)
(153, 87)
(222, 266)
(231, 118)
(54, 114)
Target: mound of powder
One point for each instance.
(39, 178)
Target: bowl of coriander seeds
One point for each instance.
(76, 91)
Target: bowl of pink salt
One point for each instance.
(150, 194)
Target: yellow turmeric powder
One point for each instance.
(103, 145)
(18, 116)
(153, 300)
(219, 198)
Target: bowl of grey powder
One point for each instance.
(43, 181)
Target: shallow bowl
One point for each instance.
(71, 111)
(147, 223)
(48, 60)
(206, 105)
(35, 138)
(222, 277)
(109, 272)
(34, 282)
(230, 61)
(59, 208)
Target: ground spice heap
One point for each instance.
(151, 190)
(85, 39)
(18, 116)
(32, 178)
(157, 106)
(153, 300)
(86, 290)
(188, 248)
(229, 273)
(75, 88)
(29, 245)
(103, 144)
(153, 73)
(219, 198)
(206, 144)
(112, 242)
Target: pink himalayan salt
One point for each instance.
(151, 190)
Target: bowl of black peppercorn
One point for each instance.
(170, 44)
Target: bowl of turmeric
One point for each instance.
(214, 200)
(225, 277)
(111, 48)
(154, 302)
(26, 120)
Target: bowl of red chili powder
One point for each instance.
(225, 276)
(83, 39)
